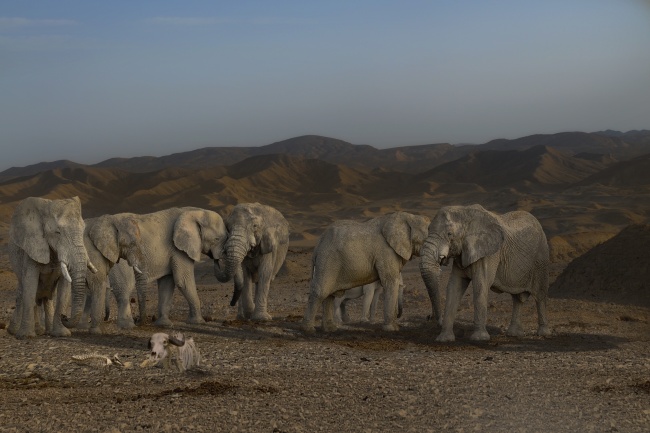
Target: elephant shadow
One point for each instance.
(421, 333)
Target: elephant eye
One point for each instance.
(449, 234)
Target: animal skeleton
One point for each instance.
(98, 360)
(166, 349)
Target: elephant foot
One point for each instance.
(308, 328)
(196, 320)
(83, 324)
(544, 331)
(330, 327)
(364, 320)
(61, 332)
(163, 322)
(391, 327)
(25, 335)
(480, 335)
(125, 324)
(39, 330)
(515, 331)
(95, 330)
(446, 337)
(262, 317)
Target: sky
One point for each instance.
(90, 80)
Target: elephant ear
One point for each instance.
(484, 237)
(397, 232)
(187, 234)
(272, 237)
(27, 231)
(103, 234)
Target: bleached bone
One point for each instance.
(176, 349)
(93, 359)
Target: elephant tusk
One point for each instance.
(64, 271)
(137, 270)
(92, 268)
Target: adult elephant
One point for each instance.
(351, 254)
(172, 242)
(507, 253)
(258, 240)
(46, 248)
(107, 239)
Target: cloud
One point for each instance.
(8, 23)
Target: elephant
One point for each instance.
(46, 250)
(108, 239)
(172, 242)
(370, 293)
(506, 253)
(258, 241)
(350, 254)
(122, 278)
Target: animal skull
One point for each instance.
(158, 345)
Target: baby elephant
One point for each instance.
(370, 293)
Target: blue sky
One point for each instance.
(88, 80)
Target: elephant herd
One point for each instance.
(56, 254)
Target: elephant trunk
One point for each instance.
(78, 290)
(236, 249)
(431, 275)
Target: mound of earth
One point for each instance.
(614, 271)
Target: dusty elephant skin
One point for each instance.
(46, 249)
(107, 239)
(351, 253)
(506, 253)
(172, 242)
(258, 239)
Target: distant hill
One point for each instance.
(408, 159)
(541, 165)
(611, 271)
(625, 174)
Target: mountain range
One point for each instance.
(314, 180)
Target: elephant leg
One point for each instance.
(41, 326)
(313, 302)
(16, 317)
(328, 314)
(141, 283)
(484, 273)
(370, 301)
(246, 306)
(124, 313)
(187, 286)
(339, 309)
(515, 329)
(543, 329)
(265, 275)
(166, 288)
(456, 288)
(391, 286)
(29, 282)
(97, 295)
(58, 329)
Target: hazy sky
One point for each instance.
(88, 80)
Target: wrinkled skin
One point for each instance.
(108, 239)
(351, 254)
(46, 248)
(506, 253)
(173, 241)
(258, 240)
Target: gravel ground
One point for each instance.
(592, 375)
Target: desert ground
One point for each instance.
(591, 375)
